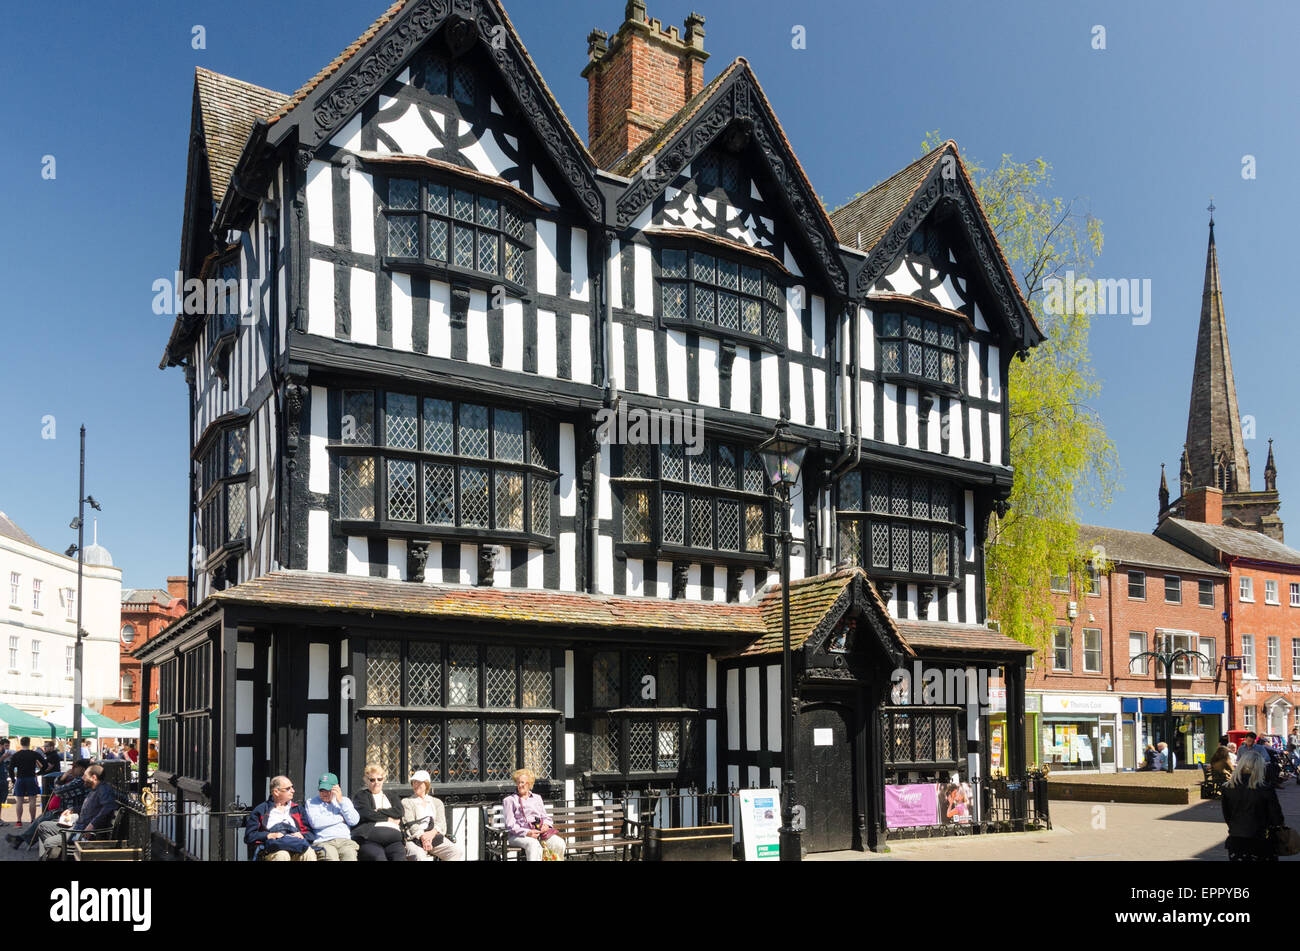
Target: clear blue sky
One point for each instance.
(1147, 130)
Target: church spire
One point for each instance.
(1270, 471)
(1164, 491)
(1216, 452)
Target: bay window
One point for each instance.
(448, 466)
(646, 713)
(223, 490)
(920, 349)
(899, 525)
(715, 294)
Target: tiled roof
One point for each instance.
(631, 163)
(871, 214)
(937, 635)
(10, 530)
(1143, 549)
(545, 608)
(145, 596)
(1230, 541)
(228, 108)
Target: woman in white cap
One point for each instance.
(424, 820)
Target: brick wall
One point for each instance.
(1264, 620)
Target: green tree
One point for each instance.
(1059, 448)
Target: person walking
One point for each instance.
(1251, 809)
(5, 754)
(27, 764)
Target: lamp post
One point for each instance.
(79, 523)
(782, 457)
(1167, 659)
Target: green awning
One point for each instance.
(16, 723)
(132, 728)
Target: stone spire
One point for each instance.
(1216, 452)
(1270, 471)
(1164, 491)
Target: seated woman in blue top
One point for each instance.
(527, 822)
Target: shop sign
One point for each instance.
(1033, 702)
(1187, 706)
(760, 824)
(1275, 688)
(1232, 663)
(1060, 703)
(997, 699)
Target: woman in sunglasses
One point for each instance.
(380, 830)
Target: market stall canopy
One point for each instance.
(132, 727)
(92, 723)
(15, 723)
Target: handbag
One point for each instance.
(287, 842)
(1286, 841)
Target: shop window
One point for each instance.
(1137, 585)
(721, 296)
(1173, 589)
(1270, 592)
(467, 713)
(1247, 589)
(444, 466)
(451, 228)
(900, 526)
(917, 737)
(713, 502)
(922, 350)
(1091, 650)
(1205, 593)
(1248, 655)
(1137, 645)
(1274, 648)
(645, 719)
(1061, 649)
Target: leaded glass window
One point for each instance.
(907, 523)
(223, 479)
(920, 347)
(445, 463)
(698, 287)
(432, 222)
(645, 712)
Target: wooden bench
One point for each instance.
(585, 830)
(114, 844)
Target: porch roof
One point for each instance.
(939, 635)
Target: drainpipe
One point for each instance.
(611, 401)
(851, 426)
(1228, 561)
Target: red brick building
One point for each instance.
(1094, 702)
(145, 612)
(1262, 613)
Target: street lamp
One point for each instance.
(782, 457)
(1167, 659)
(79, 523)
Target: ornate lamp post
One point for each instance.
(782, 456)
(1167, 660)
(79, 523)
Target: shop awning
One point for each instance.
(92, 723)
(1191, 705)
(15, 723)
(132, 727)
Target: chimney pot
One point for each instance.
(1204, 504)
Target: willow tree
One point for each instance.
(1059, 448)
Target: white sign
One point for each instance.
(823, 736)
(1076, 703)
(760, 824)
(997, 699)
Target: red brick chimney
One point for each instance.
(1204, 504)
(638, 80)
(177, 587)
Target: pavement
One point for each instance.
(1090, 831)
(7, 853)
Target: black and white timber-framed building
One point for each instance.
(410, 545)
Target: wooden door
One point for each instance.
(824, 748)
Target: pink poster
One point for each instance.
(912, 805)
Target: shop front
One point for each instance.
(1079, 732)
(999, 736)
(1196, 726)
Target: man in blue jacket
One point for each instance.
(277, 828)
(96, 814)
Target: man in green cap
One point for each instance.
(332, 815)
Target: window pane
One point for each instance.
(755, 477)
(489, 210)
(914, 358)
(537, 679)
(463, 84)
(751, 318)
(641, 670)
(437, 239)
(462, 751)
(912, 328)
(890, 359)
(851, 491)
(672, 463)
(726, 470)
(487, 252)
(889, 325)
(754, 523)
(401, 490)
(605, 683)
(729, 275)
(948, 367)
(436, 199)
(640, 746)
(473, 430)
(358, 423)
(500, 676)
(237, 452)
(701, 522)
(604, 746)
(673, 263)
(383, 673)
(424, 747)
(674, 301)
(706, 305)
(463, 247)
(438, 429)
(703, 268)
(508, 426)
(434, 76)
(920, 498)
(940, 549)
(462, 675)
(899, 549)
(516, 263)
(400, 427)
(538, 746)
(850, 541)
(357, 487)
(668, 745)
(384, 744)
(474, 497)
(541, 514)
(510, 501)
(729, 312)
(236, 511)
(439, 495)
(751, 280)
(636, 461)
(512, 223)
(424, 674)
(462, 205)
(674, 517)
(403, 236)
(403, 193)
(700, 466)
(636, 515)
(728, 525)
